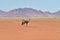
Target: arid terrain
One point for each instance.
(38, 29)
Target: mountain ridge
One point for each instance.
(28, 12)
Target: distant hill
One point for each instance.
(2, 13)
(28, 12)
(56, 14)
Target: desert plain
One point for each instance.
(37, 29)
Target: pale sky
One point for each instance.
(44, 5)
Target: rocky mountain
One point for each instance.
(56, 14)
(28, 12)
(24, 12)
(2, 13)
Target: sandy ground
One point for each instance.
(36, 30)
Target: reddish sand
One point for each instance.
(36, 30)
